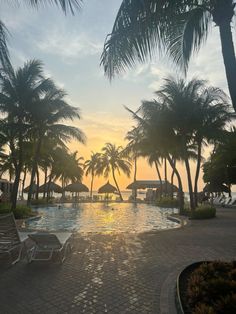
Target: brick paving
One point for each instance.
(117, 273)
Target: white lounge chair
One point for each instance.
(219, 200)
(227, 201)
(232, 202)
(47, 245)
(11, 244)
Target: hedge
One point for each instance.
(20, 212)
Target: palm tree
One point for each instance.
(159, 139)
(18, 91)
(176, 27)
(113, 159)
(66, 6)
(195, 111)
(68, 168)
(90, 167)
(45, 117)
(133, 148)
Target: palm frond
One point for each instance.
(66, 5)
(4, 53)
(175, 28)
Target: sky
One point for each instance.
(70, 48)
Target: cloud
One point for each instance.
(69, 45)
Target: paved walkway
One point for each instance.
(123, 273)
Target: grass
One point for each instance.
(20, 212)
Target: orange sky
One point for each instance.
(101, 129)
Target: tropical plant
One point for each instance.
(18, 90)
(45, 116)
(113, 159)
(68, 168)
(183, 117)
(90, 167)
(196, 112)
(221, 166)
(134, 137)
(178, 28)
(159, 140)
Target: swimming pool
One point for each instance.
(102, 218)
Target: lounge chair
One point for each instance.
(11, 244)
(47, 245)
(227, 201)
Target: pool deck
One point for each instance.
(118, 273)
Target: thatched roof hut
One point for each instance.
(76, 187)
(107, 188)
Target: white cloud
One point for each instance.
(69, 45)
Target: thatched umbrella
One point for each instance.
(34, 190)
(76, 187)
(50, 187)
(107, 189)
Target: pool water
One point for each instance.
(102, 218)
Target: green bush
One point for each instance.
(185, 211)
(212, 289)
(20, 212)
(203, 212)
(167, 202)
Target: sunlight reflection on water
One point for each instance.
(103, 218)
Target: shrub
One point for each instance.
(204, 212)
(212, 289)
(20, 212)
(168, 202)
(185, 211)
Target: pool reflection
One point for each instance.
(99, 217)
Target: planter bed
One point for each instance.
(222, 285)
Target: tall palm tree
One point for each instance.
(90, 167)
(46, 115)
(113, 159)
(66, 6)
(195, 111)
(67, 167)
(176, 27)
(19, 89)
(159, 139)
(133, 148)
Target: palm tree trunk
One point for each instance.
(34, 169)
(114, 178)
(229, 57)
(91, 187)
(37, 188)
(48, 187)
(198, 167)
(172, 181)
(190, 186)
(180, 194)
(15, 187)
(23, 183)
(165, 163)
(135, 178)
(17, 174)
(159, 177)
(45, 181)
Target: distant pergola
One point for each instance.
(152, 184)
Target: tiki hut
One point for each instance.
(107, 189)
(50, 187)
(76, 188)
